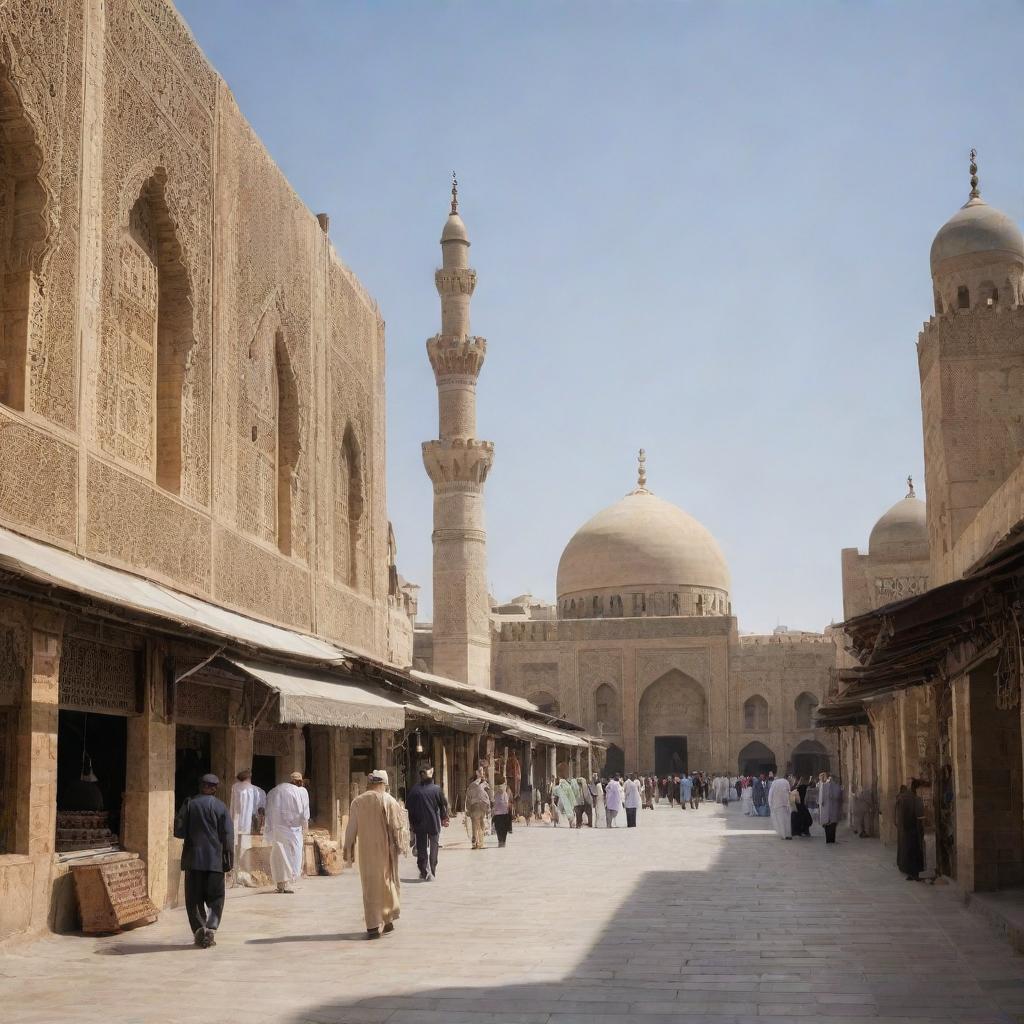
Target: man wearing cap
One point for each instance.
(287, 816)
(376, 830)
(205, 825)
(428, 812)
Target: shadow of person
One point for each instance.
(131, 948)
(333, 937)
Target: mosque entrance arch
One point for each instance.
(809, 758)
(673, 710)
(669, 756)
(614, 762)
(756, 758)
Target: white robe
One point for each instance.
(599, 807)
(245, 802)
(632, 794)
(779, 808)
(287, 813)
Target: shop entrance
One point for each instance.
(192, 760)
(670, 756)
(264, 771)
(91, 762)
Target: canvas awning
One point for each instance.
(310, 698)
(42, 563)
(445, 712)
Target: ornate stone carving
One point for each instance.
(205, 705)
(895, 588)
(651, 665)
(458, 461)
(456, 357)
(97, 677)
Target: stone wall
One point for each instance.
(191, 382)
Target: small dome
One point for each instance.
(641, 542)
(902, 533)
(454, 230)
(977, 228)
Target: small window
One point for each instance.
(938, 303)
(963, 298)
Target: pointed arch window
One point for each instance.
(287, 407)
(349, 511)
(23, 225)
(755, 714)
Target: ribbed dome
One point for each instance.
(977, 228)
(902, 533)
(641, 542)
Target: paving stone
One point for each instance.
(688, 918)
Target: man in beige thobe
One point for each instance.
(376, 830)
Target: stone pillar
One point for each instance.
(961, 756)
(36, 823)
(148, 811)
(457, 464)
(342, 753)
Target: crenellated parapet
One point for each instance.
(456, 357)
(458, 461)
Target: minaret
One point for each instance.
(458, 464)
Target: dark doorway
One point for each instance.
(756, 758)
(669, 756)
(809, 759)
(91, 762)
(264, 771)
(191, 762)
(614, 762)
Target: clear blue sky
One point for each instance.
(700, 228)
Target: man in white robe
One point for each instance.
(245, 803)
(287, 816)
(779, 808)
(612, 801)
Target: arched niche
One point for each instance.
(672, 723)
(756, 715)
(809, 758)
(804, 706)
(755, 758)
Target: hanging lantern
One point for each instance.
(419, 743)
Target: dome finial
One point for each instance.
(455, 192)
(641, 470)
(975, 192)
(910, 487)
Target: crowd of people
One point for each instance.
(380, 829)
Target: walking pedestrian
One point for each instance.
(287, 816)
(612, 800)
(205, 825)
(586, 808)
(376, 833)
(428, 814)
(597, 801)
(910, 832)
(685, 792)
(478, 806)
(631, 800)
(801, 815)
(760, 797)
(747, 797)
(779, 807)
(501, 811)
(830, 806)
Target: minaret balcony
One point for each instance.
(451, 356)
(458, 461)
(455, 280)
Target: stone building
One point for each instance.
(196, 566)
(932, 688)
(642, 648)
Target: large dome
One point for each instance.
(974, 229)
(902, 533)
(641, 543)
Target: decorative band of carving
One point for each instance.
(476, 536)
(456, 356)
(458, 461)
(455, 280)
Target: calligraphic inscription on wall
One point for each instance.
(12, 669)
(895, 588)
(97, 677)
(136, 353)
(113, 893)
(272, 742)
(198, 703)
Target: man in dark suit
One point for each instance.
(428, 812)
(205, 825)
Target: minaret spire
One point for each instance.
(457, 464)
(910, 487)
(641, 470)
(975, 191)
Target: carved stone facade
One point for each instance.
(191, 381)
(633, 680)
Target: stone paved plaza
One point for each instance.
(693, 916)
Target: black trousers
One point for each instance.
(630, 817)
(204, 899)
(584, 810)
(502, 825)
(830, 832)
(426, 852)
